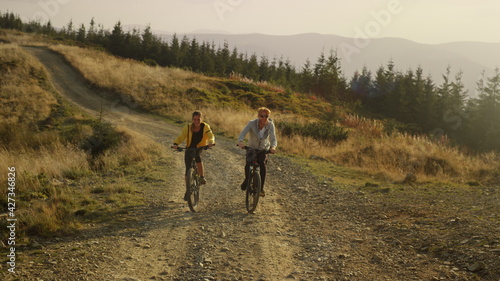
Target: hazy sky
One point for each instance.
(423, 21)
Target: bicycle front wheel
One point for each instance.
(193, 191)
(253, 192)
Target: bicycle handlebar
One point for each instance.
(196, 148)
(258, 150)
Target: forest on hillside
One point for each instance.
(406, 100)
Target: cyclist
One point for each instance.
(196, 134)
(261, 136)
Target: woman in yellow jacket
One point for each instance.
(196, 134)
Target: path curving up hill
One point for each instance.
(305, 228)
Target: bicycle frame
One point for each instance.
(253, 188)
(254, 165)
(192, 178)
(192, 152)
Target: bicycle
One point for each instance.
(192, 178)
(253, 187)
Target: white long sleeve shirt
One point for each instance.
(258, 139)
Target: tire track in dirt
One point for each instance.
(158, 241)
(220, 242)
(232, 244)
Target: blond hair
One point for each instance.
(267, 110)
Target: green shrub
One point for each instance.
(392, 126)
(318, 130)
(207, 96)
(104, 137)
(150, 62)
(240, 85)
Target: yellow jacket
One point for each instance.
(187, 134)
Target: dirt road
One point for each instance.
(305, 228)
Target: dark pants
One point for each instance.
(262, 160)
(188, 157)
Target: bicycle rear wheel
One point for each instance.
(253, 192)
(193, 191)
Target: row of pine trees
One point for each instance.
(409, 101)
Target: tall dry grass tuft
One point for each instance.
(55, 162)
(136, 150)
(400, 154)
(263, 84)
(227, 121)
(24, 89)
(365, 127)
(44, 207)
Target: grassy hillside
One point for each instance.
(169, 91)
(62, 183)
(229, 103)
(59, 182)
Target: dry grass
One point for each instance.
(368, 148)
(56, 162)
(52, 169)
(263, 84)
(227, 121)
(397, 155)
(24, 93)
(363, 126)
(157, 89)
(137, 150)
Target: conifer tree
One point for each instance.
(235, 62)
(183, 51)
(362, 84)
(483, 114)
(133, 47)
(222, 66)
(81, 34)
(70, 31)
(306, 78)
(92, 32)
(48, 29)
(264, 69)
(117, 40)
(193, 59)
(252, 68)
(175, 52)
(149, 46)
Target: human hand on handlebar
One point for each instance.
(241, 145)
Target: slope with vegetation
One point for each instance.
(307, 125)
(303, 124)
(436, 222)
(54, 148)
(410, 102)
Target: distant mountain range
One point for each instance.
(472, 58)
